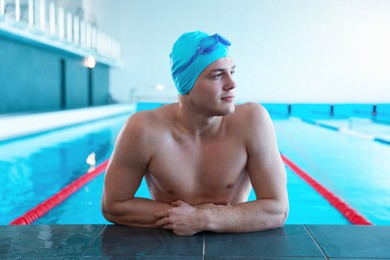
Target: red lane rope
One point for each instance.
(348, 212)
(44, 207)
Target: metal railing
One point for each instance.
(46, 20)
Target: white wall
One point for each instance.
(286, 51)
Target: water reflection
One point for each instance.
(34, 169)
(120, 240)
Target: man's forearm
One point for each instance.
(136, 212)
(185, 219)
(245, 217)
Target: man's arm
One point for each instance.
(268, 178)
(124, 174)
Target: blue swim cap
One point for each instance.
(187, 63)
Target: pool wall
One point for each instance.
(380, 112)
(22, 126)
(40, 78)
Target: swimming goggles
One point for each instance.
(206, 46)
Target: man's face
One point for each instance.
(213, 90)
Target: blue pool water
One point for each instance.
(356, 169)
(33, 169)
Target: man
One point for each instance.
(200, 156)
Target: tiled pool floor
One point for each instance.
(119, 242)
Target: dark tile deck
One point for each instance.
(70, 242)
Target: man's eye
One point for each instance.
(217, 75)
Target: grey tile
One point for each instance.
(42, 258)
(263, 258)
(142, 257)
(353, 241)
(144, 242)
(354, 258)
(46, 241)
(289, 241)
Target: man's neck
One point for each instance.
(196, 124)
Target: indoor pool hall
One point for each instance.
(194, 129)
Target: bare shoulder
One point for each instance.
(141, 127)
(252, 114)
(251, 107)
(147, 120)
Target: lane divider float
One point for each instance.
(347, 211)
(43, 208)
(346, 130)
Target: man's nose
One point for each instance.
(230, 83)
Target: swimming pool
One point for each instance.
(32, 169)
(355, 169)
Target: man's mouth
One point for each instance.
(229, 98)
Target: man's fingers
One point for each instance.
(161, 214)
(163, 222)
(178, 203)
(167, 227)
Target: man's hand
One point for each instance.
(183, 219)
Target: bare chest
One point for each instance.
(212, 172)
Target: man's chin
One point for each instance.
(228, 111)
(232, 108)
